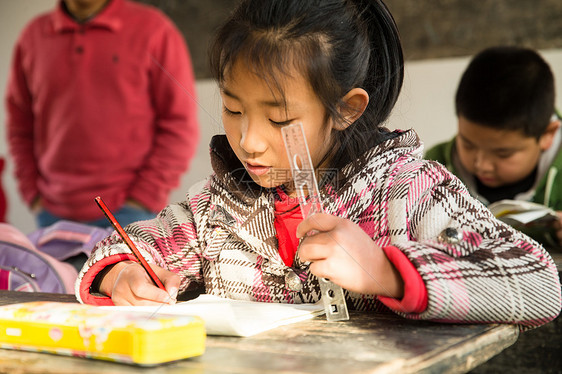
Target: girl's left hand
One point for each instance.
(342, 252)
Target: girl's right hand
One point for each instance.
(127, 283)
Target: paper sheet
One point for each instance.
(235, 317)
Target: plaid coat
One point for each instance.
(223, 237)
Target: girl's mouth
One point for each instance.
(257, 169)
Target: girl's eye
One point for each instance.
(281, 124)
(230, 112)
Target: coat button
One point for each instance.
(450, 236)
(292, 281)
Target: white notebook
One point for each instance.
(235, 317)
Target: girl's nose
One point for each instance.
(254, 138)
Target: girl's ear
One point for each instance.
(547, 137)
(354, 104)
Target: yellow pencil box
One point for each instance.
(87, 331)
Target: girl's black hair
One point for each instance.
(507, 88)
(337, 44)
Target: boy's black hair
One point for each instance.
(508, 88)
(337, 44)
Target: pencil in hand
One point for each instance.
(129, 243)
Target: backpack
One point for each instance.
(35, 263)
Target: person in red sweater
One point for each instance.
(101, 101)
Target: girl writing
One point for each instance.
(399, 232)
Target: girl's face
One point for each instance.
(253, 115)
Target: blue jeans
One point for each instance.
(127, 214)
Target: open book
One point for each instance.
(235, 317)
(533, 219)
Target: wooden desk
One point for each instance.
(367, 343)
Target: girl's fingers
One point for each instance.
(133, 286)
(321, 269)
(314, 248)
(317, 222)
(170, 280)
(324, 238)
(149, 292)
(129, 298)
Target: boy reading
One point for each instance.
(508, 140)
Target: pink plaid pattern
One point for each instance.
(223, 237)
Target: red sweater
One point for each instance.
(105, 108)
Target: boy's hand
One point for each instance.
(342, 252)
(127, 283)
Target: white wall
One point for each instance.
(426, 103)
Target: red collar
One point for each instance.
(286, 205)
(287, 217)
(107, 18)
